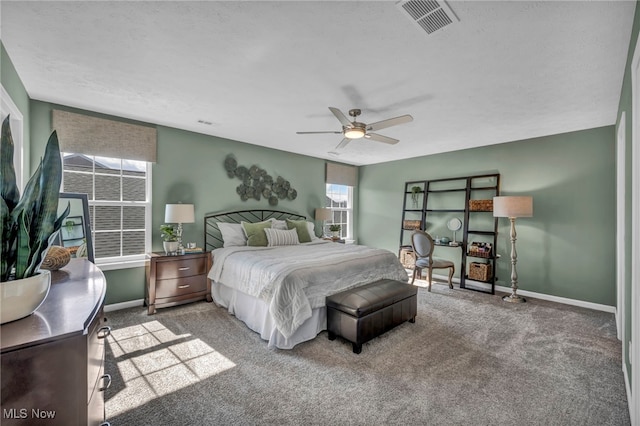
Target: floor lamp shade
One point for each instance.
(512, 206)
(323, 214)
(179, 213)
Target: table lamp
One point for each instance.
(323, 214)
(179, 213)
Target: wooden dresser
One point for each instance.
(172, 280)
(53, 360)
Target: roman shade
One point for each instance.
(341, 174)
(84, 134)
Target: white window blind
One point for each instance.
(83, 134)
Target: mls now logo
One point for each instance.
(23, 413)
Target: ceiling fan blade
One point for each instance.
(390, 122)
(314, 133)
(344, 143)
(340, 116)
(379, 138)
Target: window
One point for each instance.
(119, 203)
(339, 199)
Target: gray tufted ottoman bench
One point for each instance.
(362, 313)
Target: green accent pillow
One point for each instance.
(301, 228)
(256, 236)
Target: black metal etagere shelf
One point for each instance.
(417, 210)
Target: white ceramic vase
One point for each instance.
(170, 247)
(20, 298)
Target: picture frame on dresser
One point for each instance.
(81, 247)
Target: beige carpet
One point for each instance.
(469, 359)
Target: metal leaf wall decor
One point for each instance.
(257, 183)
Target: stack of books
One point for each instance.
(193, 250)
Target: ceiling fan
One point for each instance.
(356, 130)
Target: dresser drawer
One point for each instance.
(180, 286)
(96, 338)
(95, 406)
(181, 268)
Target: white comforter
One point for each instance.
(293, 280)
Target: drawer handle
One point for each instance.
(108, 382)
(184, 286)
(105, 424)
(184, 268)
(104, 332)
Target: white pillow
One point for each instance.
(312, 231)
(278, 224)
(279, 237)
(232, 234)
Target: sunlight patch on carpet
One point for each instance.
(154, 361)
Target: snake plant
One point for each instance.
(28, 222)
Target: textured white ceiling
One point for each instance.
(260, 71)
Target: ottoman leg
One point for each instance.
(357, 348)
(412, 320)
(332, 336)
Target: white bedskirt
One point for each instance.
(255, 314)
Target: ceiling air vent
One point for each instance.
(429, 15)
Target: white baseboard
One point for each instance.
(564, 300)
(123, 305)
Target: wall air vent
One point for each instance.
(429, 15)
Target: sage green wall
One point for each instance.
(566, 249)
(14, 87)
(626, 106)
(190, 170)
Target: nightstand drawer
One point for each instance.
(180, 268)
(179, 286)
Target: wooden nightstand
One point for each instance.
(173, 280)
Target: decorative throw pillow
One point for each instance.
(278, 237)
(255, 233)
(278, 224)
(301, 227)
(232, 234)
(312, 231)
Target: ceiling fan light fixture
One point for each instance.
(357, 131)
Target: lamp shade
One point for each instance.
(179, 213)
(512, 206)
(323, 214)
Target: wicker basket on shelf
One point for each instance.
(481, 205)
(411, 224)
(407, 258)
(480, 271)
(484, 255)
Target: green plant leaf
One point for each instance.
(23, 241)
(36, 212)
(8, 188)
(7, 260)
(28, 222)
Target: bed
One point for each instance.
(279, 290)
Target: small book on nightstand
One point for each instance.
(193, 250)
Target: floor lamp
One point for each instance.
(513, 207)
(179, 213)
